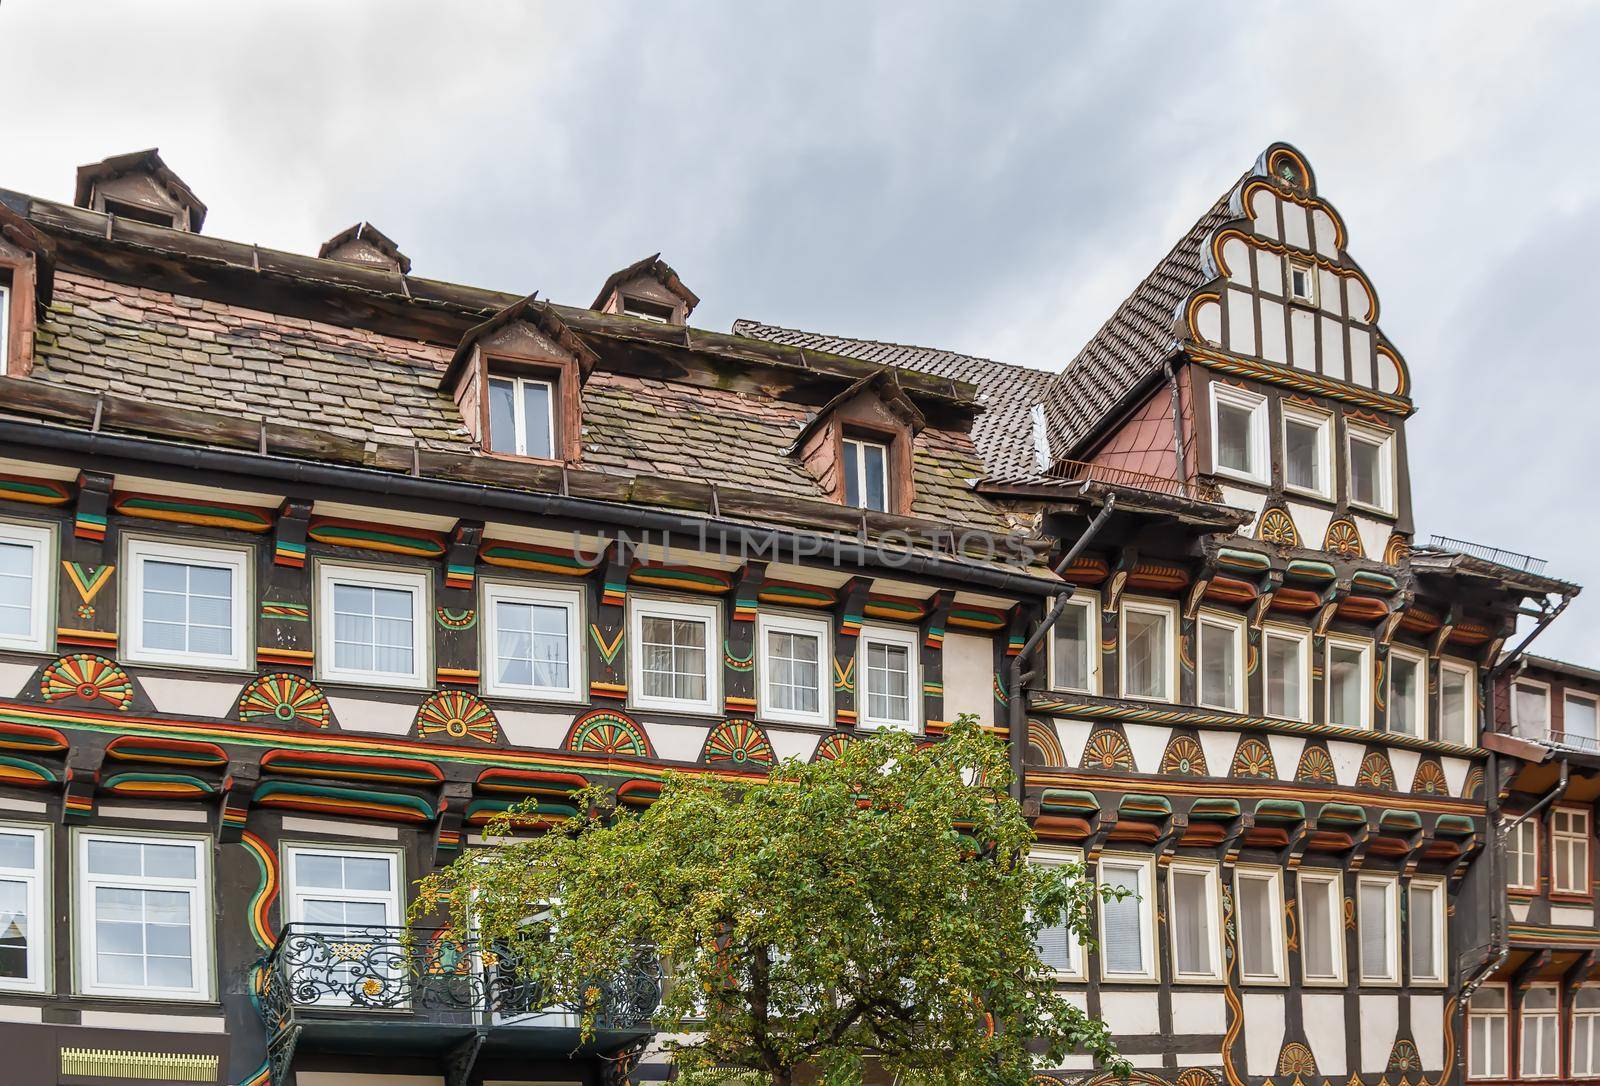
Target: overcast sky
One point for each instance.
(988, 177)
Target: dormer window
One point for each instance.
(139, 187)
(522, 417)
(646, 310)
(648, 290)
(138, 213)
(1302, 282)
(866, 474)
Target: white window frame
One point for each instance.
(1391, 885)
(1500, 1016)
(1323, 423)
(1145, 865)
(519, 420)
(42, 540)
(806, 626)
(1384, 441)
(1522, 1030)
(1256, 404)
(1290, 265)
(1567, 698)
(1451, 666)
(862, 444)
(1234, 624)
(418, 583)
(136, 550)
(1522, 727)
(202, 909)
(1090, 602)
(569, 600)
(888, 635)
(1053, 856)
(1302, 637)
(1440, 969)
(642, 607)
(1213, 971)
(1365, 647)
(1170, 671)
(294, 894)
(1591, 1022)
(1581, 841)
(1514, 852)
(1273, 877)
(41, 922)
(1420, 659)
(1333, 881)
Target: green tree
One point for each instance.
(876, 907)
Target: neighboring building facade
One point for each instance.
(312, 566)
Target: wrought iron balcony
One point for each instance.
(427, 991)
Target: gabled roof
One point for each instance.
(537, 313)
(1002, 433)
(147, 161)
(371, 235)
(654, 266)
(22, 233)
(887, 387)
(1135, 342)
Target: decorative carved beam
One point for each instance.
(289, 534)
(238, 793)
(1524, 976)
(461, 560)
(447, 831)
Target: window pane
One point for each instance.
(16, 928)
(502, 416)
(187, 607)
(1532, 710)
(1219, 657)
(1122, 932)
(674, 660)
(794, 677)
(16, 589)
(888, 682)
(1423, 935)
(1316, 901)
(877, 477)
(1579, 719)
(536, 420)
(1146, 653)
(1405, 695)
(1453, 706)
(1302, 454)
(17, 851)
(531, 645)
(1365, 468)
(373, 629)
(142, 938)
(1235, 449)
(1346, 690)
(1256, 937)
(852, 473)
(1374, 902)
(1283, 677)
(1191, 926)
(1072, 648)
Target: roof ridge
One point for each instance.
(889, 343)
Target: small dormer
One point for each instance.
(649, 290)
(517, 379)
(27, 260)
(858, 447)
(139, 186)
(366, 246)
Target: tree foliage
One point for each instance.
(876, 907)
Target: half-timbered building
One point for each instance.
(312, 565)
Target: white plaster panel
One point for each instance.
(1239, 498)
(1269, 273)
(1519, 911)
(1427, 1030)
(158, 1023)
(1076, 1063)
(1273, 348)
(346, 1078)
(1388, 374)
(10, 1013)
(1323, 235)
(676, 742)
(1147, 1059)
(151, 814)
(1346, 761)
(193, 697)
(1208, 322)
(1311, 521)
(1380, 1021)
(1361, 357)
(13, 677)
(367, 830)
(1333, 348)
(1264, 213)
(1296, 230)
(1218, 747)
(1236, 255)
(1147, 742)
(1131, 1014)
(362, 715)
(1323, 1013)
(968, 676)
(1074, 734)
(534, 729)
(1263, 1032)
(1198, 1012)
(1374, 538)
(1199, 1059)
(1303, 339)
(1360, 300)
(800, 745)
(1241, 322)
(1567, 916)
(26, 806)
(1405, 764)
(1286, 754)
(1329, 295)
(1455, 774)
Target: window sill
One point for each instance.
(200, 666)
(533, 697)
(1376, 510)
(376, 682)
(519, 458)
(1302, 492)
(1234, 475)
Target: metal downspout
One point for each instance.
(1017, 706)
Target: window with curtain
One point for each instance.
(1056, 945)
(534, 636)
(522, 416)
(1586, 1033)
(144, 907)
(1488, 1028)
(1322, 926)
(1076, 647)
(1260, 925)
(1125, 924)
(23, 924)
(1522, 854)
(1569, 851)
(1192, 922)
(794, 668)
(1348, 686)
(1539, 1038)
(1578, 721)
(1530, 709)
(673, 662)
(1146, 651)
(1426, 931)
(1221, 681)
(1377, 926)
(1458, 703)
(26, 584)
(1408, 685)
(1286, 680)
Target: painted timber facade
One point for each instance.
(313, 566)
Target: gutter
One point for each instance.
(1017, 707)
(837, 550)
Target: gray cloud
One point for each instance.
(992, 178)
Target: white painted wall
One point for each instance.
(968, 677)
